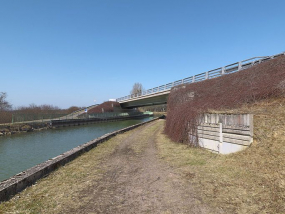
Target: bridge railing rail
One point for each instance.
(228, 69)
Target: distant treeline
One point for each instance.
(37, 110)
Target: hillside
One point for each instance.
(250, 181)
(172, 177)
(185, 103)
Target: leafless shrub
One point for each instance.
(137, 89)
(225, 92)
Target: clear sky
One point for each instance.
(71, 52)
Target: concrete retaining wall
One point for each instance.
(225, 134)
(19, 182)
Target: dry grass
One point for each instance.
(250, 181)
(141, 141)
(61, 188)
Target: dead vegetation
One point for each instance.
(250, 181)
(122, 175)
(187, 102)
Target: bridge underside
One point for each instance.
(145, 101)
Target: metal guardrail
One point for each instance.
(115, 114)
(228, 69)
(110, 116)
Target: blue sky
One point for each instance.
(71, 52)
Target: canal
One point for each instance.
(22, 151)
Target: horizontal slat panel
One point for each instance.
(209, 125)
(210, 137)
(245, 127)
(235, 141)
(237, 131)
(209, 128)
(208, 133)
(236, 136)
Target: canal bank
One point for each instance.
(26, 178)
(19, 152)
(122, 175)
(38, 125)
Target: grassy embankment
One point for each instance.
(250, 181)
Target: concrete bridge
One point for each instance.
(159, 95)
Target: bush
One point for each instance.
(186, 102)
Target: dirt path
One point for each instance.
(136, 181)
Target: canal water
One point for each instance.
(22, 151)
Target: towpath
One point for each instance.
(137, 181)
(130, 179)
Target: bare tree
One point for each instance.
(137, 89)
(4, 105)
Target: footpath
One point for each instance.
(123, 175)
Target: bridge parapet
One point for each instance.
(228, 69)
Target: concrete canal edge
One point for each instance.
(19, 182)
(30, 126)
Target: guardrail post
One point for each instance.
(223, 70)
(207, 75)
(193, 78)
(239, 66)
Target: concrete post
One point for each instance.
(251, 124)
(221, 137)
(193, 79)
(221, 132)
(239, 66)
(207, 75)
(223, 70)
